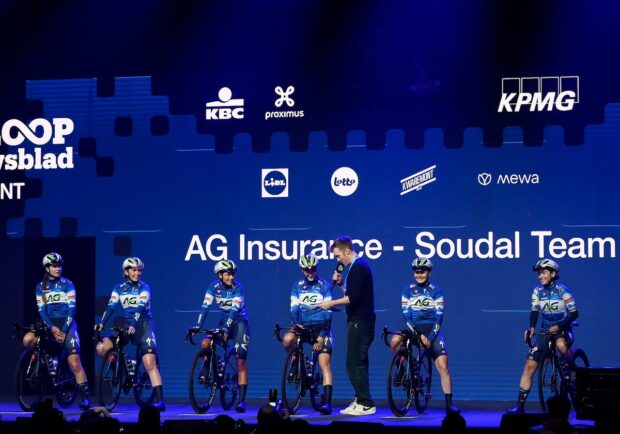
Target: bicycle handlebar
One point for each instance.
(120, 330)
(191, 331)
(414, 334)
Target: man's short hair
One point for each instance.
(558, 407)
(343, 242)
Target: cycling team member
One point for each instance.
(306, 294)
(135, 298)
(56, 304)
(229, 297)
(422, 304)
(558, 312)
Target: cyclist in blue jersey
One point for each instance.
(134, 296)
(555, 301)
(422, 305)
(56, 305)
(306, 295)
(228, 295)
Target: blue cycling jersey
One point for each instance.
(305, 299)
(230, 300)
(57, 300)
(556, 304)
(423, 304)
(135, 299)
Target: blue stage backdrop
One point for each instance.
(442, 140)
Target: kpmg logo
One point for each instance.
(274, 183)
(226, 107)
(485, 178)
(418, 180)
(538, 94)
(284, 100)
(344, 181)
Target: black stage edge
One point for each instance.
(481, 417)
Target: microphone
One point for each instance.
(338, 270)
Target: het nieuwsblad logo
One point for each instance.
(538, 94)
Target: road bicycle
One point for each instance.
(410, 373)
(555, 376)
(214, 369)
(118, 372)
(301, 374)
(43, 368)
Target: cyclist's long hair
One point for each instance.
(44, 283)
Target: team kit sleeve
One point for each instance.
(71, 312)
(535, 308)
(144, 298)
(295, 308)
(438, 297)
(114, 298)
(204, 309)
(41, 307)
(571, 307)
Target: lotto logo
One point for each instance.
(538, 94)
(226, 107)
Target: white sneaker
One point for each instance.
(350, 408)
(361, 410)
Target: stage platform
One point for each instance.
(481, 416)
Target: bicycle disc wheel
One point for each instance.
(111, 379)
(580, 360)
(229, 389)
(316, 388)
(549, 379)
(30, 379)
(66, 386)
(400, 384)
(202, 381)
(422, 384)
(293, 377)
(143, 390)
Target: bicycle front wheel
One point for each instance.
(422, 383)
(66, 386)
(111, 379)
(202, 381)
(293, 377)
(229, 389)
(30, 379)
(400, 383)
(143, 390)
(549, 379)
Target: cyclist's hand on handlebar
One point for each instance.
(58, 335)
(554, 329)
(131, 330)
(98, 327)
(425, 341)
(318, 345)
(527, 334)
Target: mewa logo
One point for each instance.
(486, 178)
(538, 94)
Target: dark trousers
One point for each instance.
(360, 335)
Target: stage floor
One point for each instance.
(478, 414)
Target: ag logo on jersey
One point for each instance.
(310, 299)
(274, 183)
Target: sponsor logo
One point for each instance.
(538, 94)
(129, 300)
(39, 132)
(284, 100)
(274, 183)
(344, 181)
(418, 180)
(486, 178)
(226, 107)
(11, 190)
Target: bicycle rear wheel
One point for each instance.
(111, 379)
(422, 384)
(229, 389)
(143, 390)
(293, 377)
(66, 386)
(400, 384)
(549, 379)
(316, 388)
(202, 381)
(30, 379)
